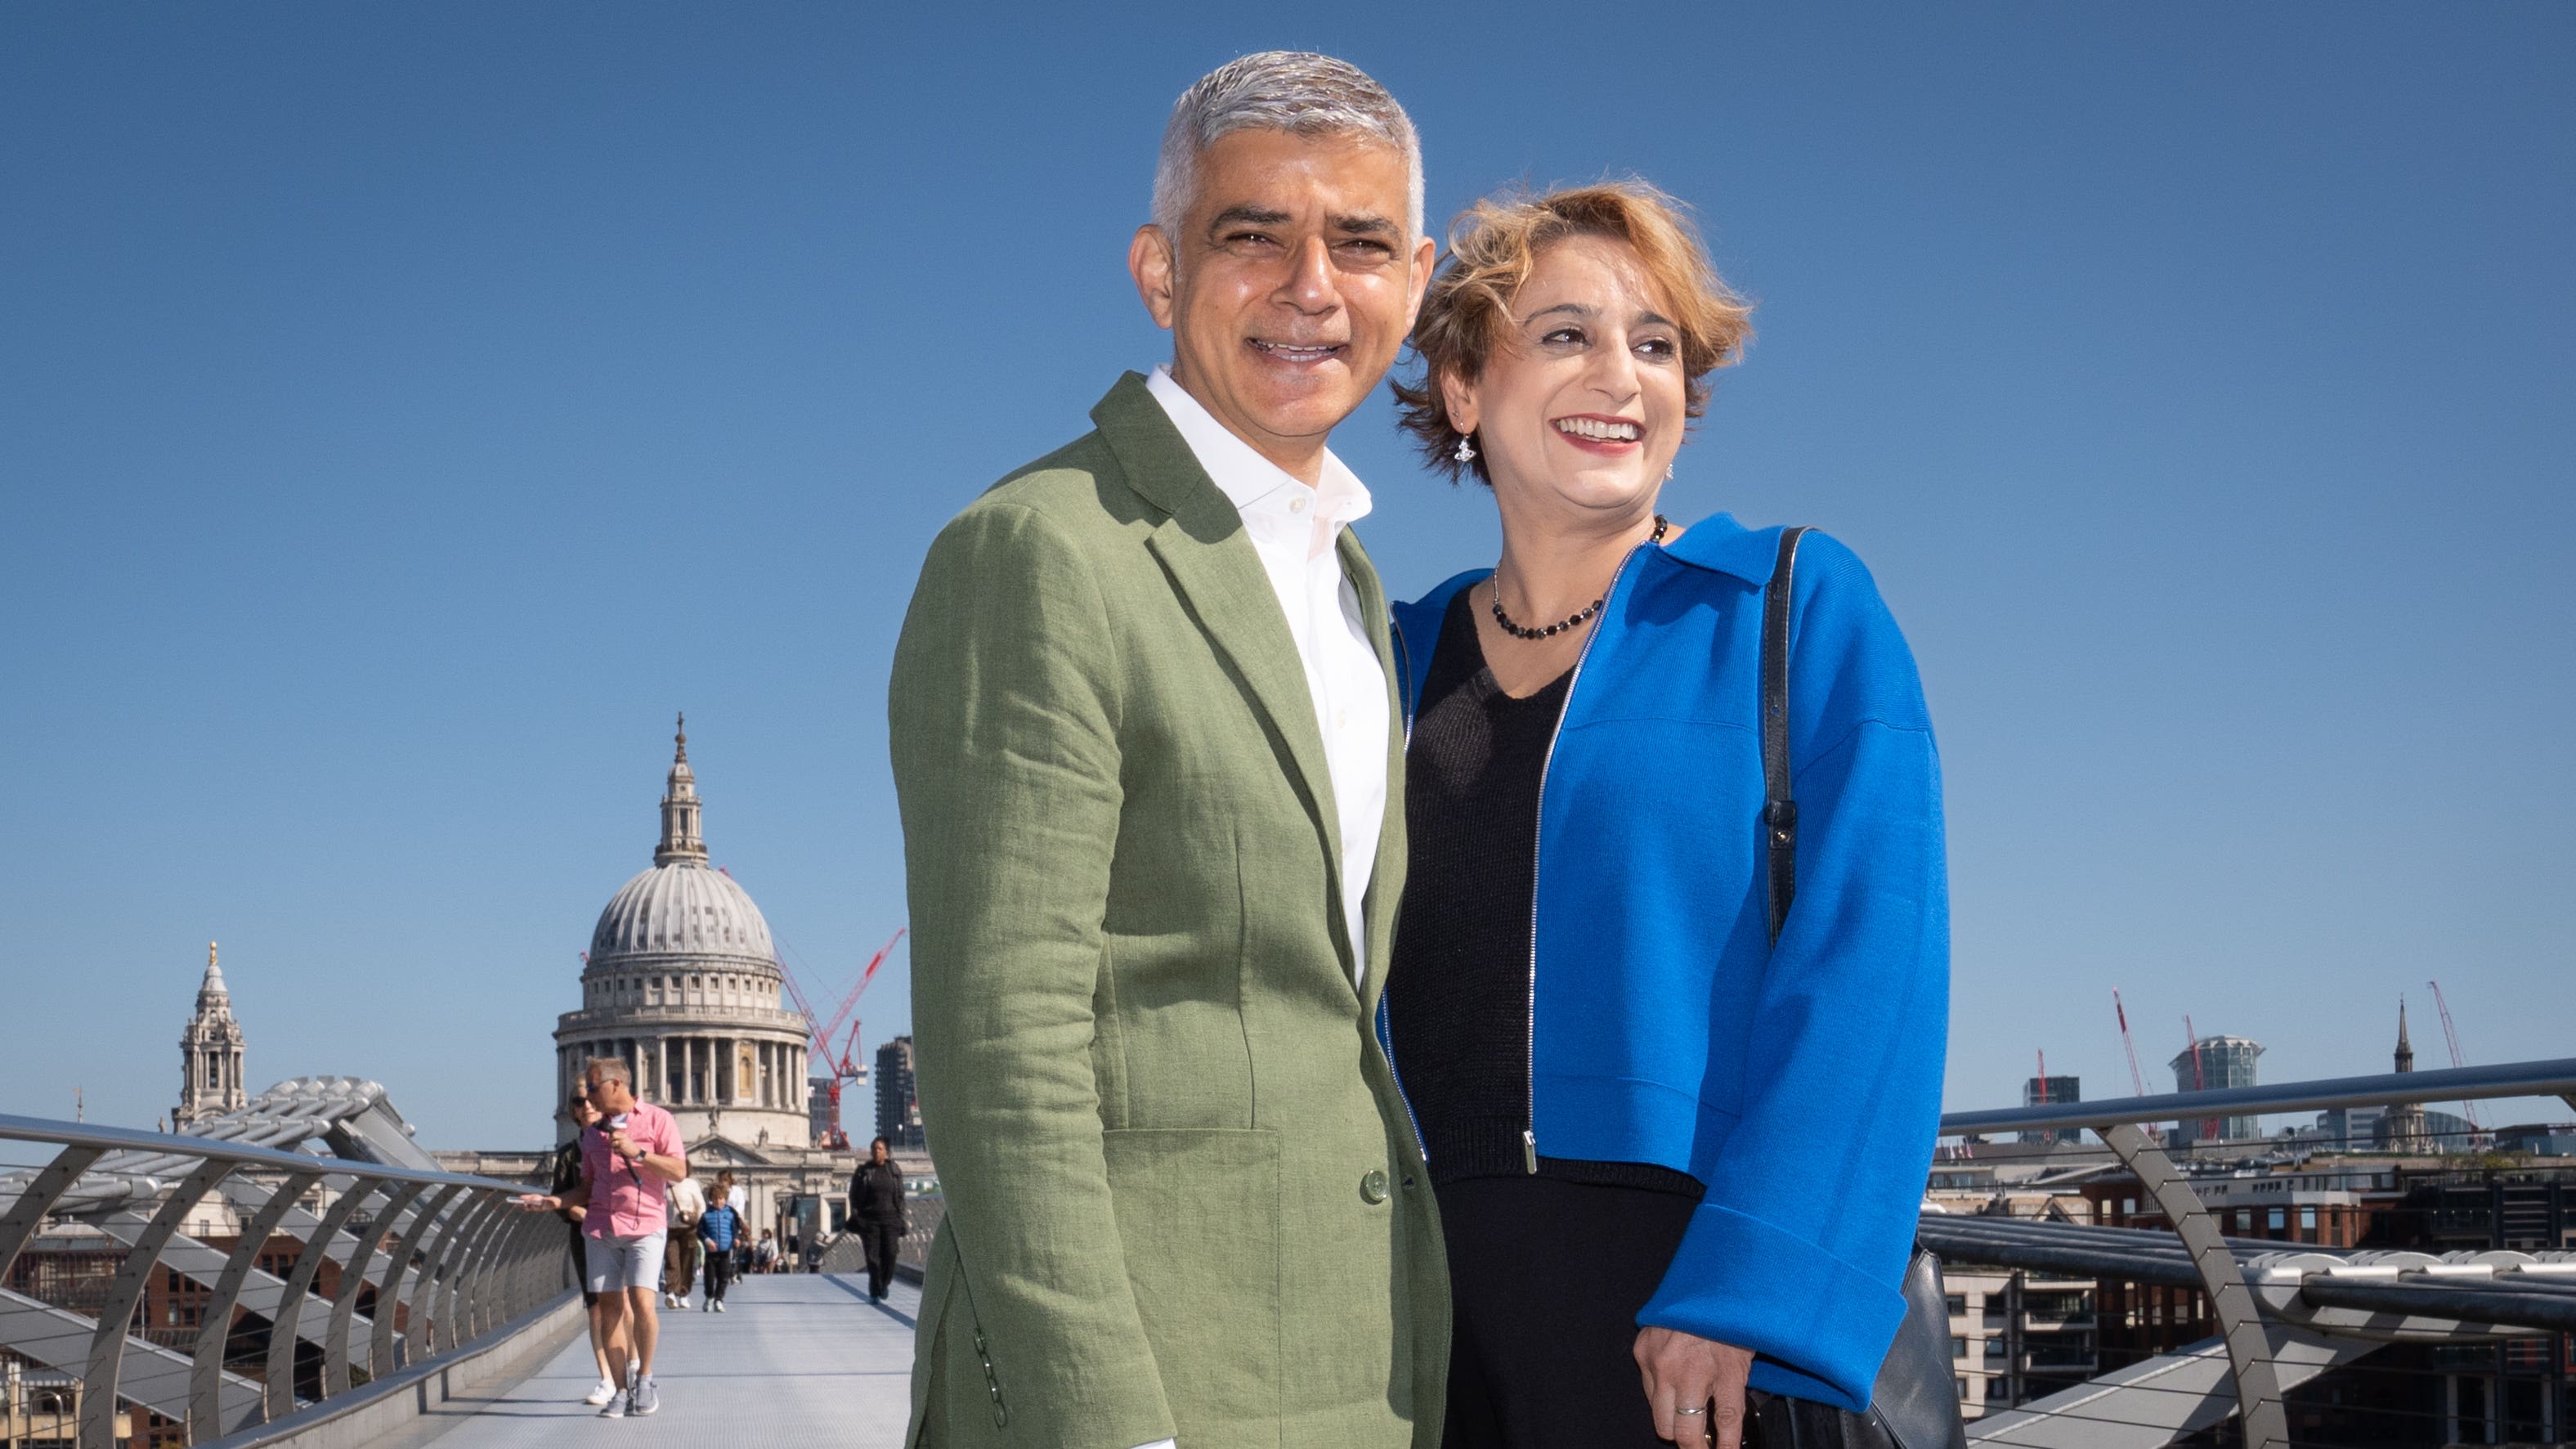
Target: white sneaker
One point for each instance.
(602, 1394)
(719, 1305)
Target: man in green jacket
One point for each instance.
(1144, 733)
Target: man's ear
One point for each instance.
(1458, 399)
(1425, 252)
(1149, 261)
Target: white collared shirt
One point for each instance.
(1294, 528)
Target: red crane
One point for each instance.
(2136, 1080)
(838, 1066)
(2468, 1110)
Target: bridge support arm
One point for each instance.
(282, 1344)
(206, 1374)
(107, 1345)
(2240, 1319)
(353, 1280)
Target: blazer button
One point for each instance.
(1373, 1186)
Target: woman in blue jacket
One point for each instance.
(1667, 1147)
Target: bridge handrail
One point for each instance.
(2205, 1255)
(460, 1263)
(180, 1144)
(2451, 1084)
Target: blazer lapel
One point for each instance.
(1378, 906)
(1202, 546)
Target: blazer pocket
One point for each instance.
(1198, 1213)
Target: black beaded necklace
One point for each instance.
(1571, 621)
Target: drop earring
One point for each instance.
(1466, 451)
(1668, 472)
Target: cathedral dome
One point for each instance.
(680, 908)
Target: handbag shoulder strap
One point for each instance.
(1779, 807)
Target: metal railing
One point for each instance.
(438, 1260)
(2418, 1290)
(921, 1215)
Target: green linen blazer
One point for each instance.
(1184, 1196)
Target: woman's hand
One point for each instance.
(1684, 1372)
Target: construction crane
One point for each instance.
(2043, 1078)
(2136, 1080)
(2451, 1038)
(838, 1066)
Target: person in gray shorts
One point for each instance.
(628, 1165)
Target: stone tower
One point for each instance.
(2401, 1127)
(210, 1053)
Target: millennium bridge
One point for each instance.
(367, 1297)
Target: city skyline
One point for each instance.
(406, 413)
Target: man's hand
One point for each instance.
(537, 1202)
(1683, 1373)
(623, 1145)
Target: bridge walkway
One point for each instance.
(795, 1360)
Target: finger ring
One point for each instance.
(1690, 1411)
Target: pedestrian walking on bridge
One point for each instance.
(627, 1167)
(719, 1229)
(876, 1215)
(680, 1253)
(566, 1176)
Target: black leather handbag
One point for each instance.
(1915, 1402)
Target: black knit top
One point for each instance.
(1458, 990)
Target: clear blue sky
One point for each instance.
(404, 410)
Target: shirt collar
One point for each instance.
(1252, 482)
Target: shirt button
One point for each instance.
(1373, 1186)
(1296, 505)
(1341, 719)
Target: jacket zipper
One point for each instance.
(1529, 1123)
(1386, 1014)
(1386, 1046)
(1403, 678)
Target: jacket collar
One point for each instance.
(1721, 544)
(1157, 460)
(1202, 545)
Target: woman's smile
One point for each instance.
(1594, 433)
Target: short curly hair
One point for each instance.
(1494, 246)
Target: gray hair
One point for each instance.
(1296, 91)
(610, 1069)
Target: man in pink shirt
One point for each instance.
(627, 1168)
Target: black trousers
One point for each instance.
(581, 1265)
(879, 1241)
(719, 1273)
(1546, 1278)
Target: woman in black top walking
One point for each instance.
(876, 1214)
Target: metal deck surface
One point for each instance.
(796, 1359)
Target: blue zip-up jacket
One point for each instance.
(1801, 1082)
(718, 1226)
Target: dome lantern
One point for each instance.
(681, 840)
